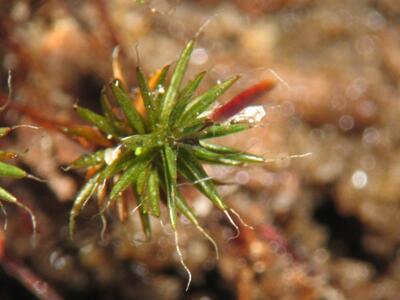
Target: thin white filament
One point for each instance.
(233, 224)
(33, 219)
(210, 239)
(196, 181)
(103, 226)
(135, 209)
(89, 197)
(277, 76)
(272, 71)
(9, 85)
(240, 219)
(178, 250)
(116, 66)
(30, 176)
(3, 210)
(137, 54)
(205, 24)
(269, 160)
(25, 126)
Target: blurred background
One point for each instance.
(326, 226)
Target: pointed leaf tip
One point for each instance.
(171, 95)
(125, 102)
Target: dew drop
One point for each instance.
(199, 56)
(250, 114)
(242, 177)
(346, 122)
(160, 89)
(111, 154)
(359, 179)
(202, 206)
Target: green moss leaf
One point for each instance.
(168, 102)
(132, 115)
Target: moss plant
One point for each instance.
(149, 145)
(10, 171)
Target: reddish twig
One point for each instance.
(36, 285)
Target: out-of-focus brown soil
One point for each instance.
(326, 226)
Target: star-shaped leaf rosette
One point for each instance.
(159, 139)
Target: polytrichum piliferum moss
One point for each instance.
(154, 141)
